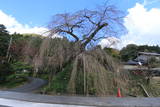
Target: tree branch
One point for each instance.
(70, 33)
(99, 27)
(89, 19)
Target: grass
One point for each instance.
(14, 80)
(154, 87)
(135, 79)
(59, 83)
(13, 83)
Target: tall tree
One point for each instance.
(4, 40)
(129, 52)
(86, 26)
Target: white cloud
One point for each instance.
(14, 26)
(143, 26)
(110, 42)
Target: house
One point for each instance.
(144, 57)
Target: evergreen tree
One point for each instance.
(4, 40)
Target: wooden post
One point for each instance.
(145, 91)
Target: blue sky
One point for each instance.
(32, 16)
(39, 12)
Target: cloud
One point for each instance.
(14, 26)
(110, 42)
(143, 26)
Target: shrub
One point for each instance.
(5, 71)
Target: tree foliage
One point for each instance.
(5, 71)
(113, 52)
(4, 40)
(129, 52)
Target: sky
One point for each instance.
(142, 19)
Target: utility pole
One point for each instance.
(8, 50)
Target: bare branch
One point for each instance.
(65, 31)
(71, 33)
(85, 25)
(89, 19)
(99, 27)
